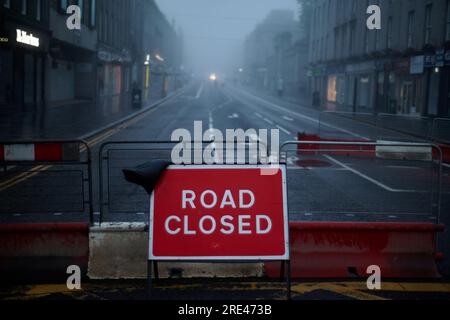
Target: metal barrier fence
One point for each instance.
(121, 200)
(332, 124)
(411, 125)
(364, 181)
(375, 183)
(46, 177)
(440, 132)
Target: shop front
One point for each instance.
(443, 73)
(23, 52)
(407, 86)
(114, 73)
(360, 82)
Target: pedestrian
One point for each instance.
(136, 95)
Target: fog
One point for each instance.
(214, 30)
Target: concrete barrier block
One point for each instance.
(120, 251)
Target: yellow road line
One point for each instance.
(23, 177)
(403, 287)
(12, 179)
(355, 290)
(93, 142)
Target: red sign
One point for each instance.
(219, 213)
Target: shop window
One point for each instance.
(364, 93)
(331, 92)
(38, 10)
(433, 95)
(410, 36)
(340, 91)
(92, 13)
(63, 4)
(428, 23)
(24, 7)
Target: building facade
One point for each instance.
(161, 52)
(24, 45)
(121, 43)
(71, 65)
(401, 69)
(275, 55)
(114, 47)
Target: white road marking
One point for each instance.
(259, 115)
(96, 213)
(288, 119)
(211, 137)
(268, 121)
(285, 110)
(375, 182)
(315, 169)
(284, 130)
(140, 213)
(58, 214)
(211, 121)
(199, 92)
(371, 213)
(403, 167)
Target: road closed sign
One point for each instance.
(219, 213)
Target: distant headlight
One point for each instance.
(213, 77)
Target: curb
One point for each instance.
(112, 125)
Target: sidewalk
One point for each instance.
(417, 128)
(70, 121)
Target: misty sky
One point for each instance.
(215, 29)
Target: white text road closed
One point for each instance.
(219, 213)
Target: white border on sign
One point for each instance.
(286, 255)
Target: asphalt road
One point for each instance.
(323, 187)
(320, 188)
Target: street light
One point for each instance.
(159, 58)
(213, 77)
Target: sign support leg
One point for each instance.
(155, 267)
(149, 279)
(289, 280)
(282, 270)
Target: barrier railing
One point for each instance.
(46, 177)
(118, 197)
(440, 131)
(422, 160)
(416, 126)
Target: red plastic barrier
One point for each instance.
(343, 149)
(446, 154)
(48, 152)
(34, 249)
(345, 250)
